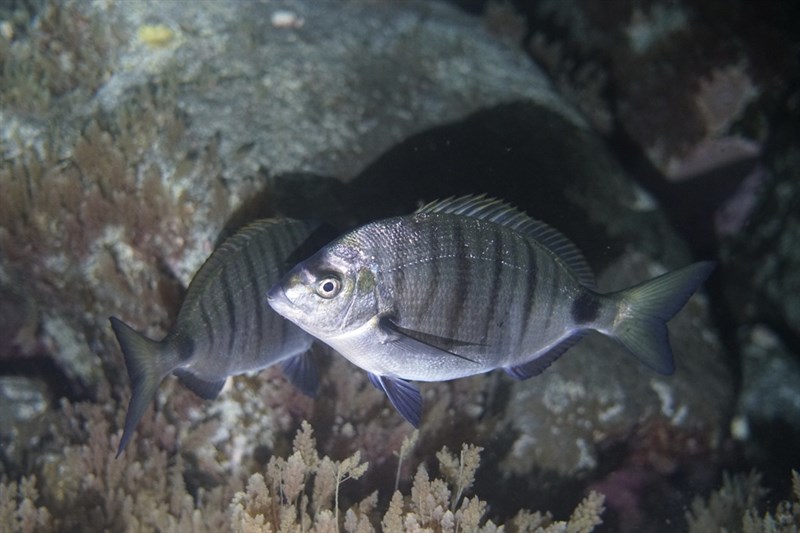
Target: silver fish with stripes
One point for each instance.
(464, 286)
(224, 326)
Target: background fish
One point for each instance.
(224, 327)
(464, 286)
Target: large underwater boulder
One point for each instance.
(121, 176)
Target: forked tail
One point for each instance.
(142, 360)
(641, 322)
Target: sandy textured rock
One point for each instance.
(197, 108)
(120, 181)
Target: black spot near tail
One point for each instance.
(585, 308)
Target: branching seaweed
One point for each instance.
(738, 506)
(149, 488)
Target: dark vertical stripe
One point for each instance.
(257, 295)
(530, 284)
(283, 332)
(269, 264)
(398, 264)
(552, 294)
(458, 301)
(292, 244)
(432, 240)
(274, 252)
(230, 307)
(209, 325)
(496, 278)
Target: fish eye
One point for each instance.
(328, 287)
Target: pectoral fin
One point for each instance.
(418, 342)
(404, 396)
(301, 370)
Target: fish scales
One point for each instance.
(452, 303)
(224, 326)
(464, 286)
(234, 295)
(252, 273)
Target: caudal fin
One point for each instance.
(641, 325)
(142, 360)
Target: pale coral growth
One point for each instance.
(785, 519)
(526, 521)
(249, 510)
(584, 519)
(408, 444)
(253, 411)
(305, 444)
(148, 488)
(349, 468)
(735, 507)
(324, 485)
(280, 501)
(429, 509)
(726, 507)
(362, 416)
(469, 516)
(393, 519)
(460, 472)
(587, 515)
(357, 520)
(84, 487)
(796, 485)
(269, 505)
(18, 507)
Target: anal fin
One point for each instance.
(207, 390)
(540, 364)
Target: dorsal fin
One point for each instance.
(207, 272)
(264, 228)
(499, 212)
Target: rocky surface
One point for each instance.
(194, 120)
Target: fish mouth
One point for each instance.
(277, 299)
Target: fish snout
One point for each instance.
(277, 299)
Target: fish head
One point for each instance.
(329, 294)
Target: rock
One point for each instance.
(763, 259)
(560, 426)
(24, 406)
(597, 393)
(192, 110)
(767, 420)
(171, 116)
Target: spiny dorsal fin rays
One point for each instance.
(499, 212)
(220, 258)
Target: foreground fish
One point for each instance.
(223, 327)
(464, 286)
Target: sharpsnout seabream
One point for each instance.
(464, 286)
